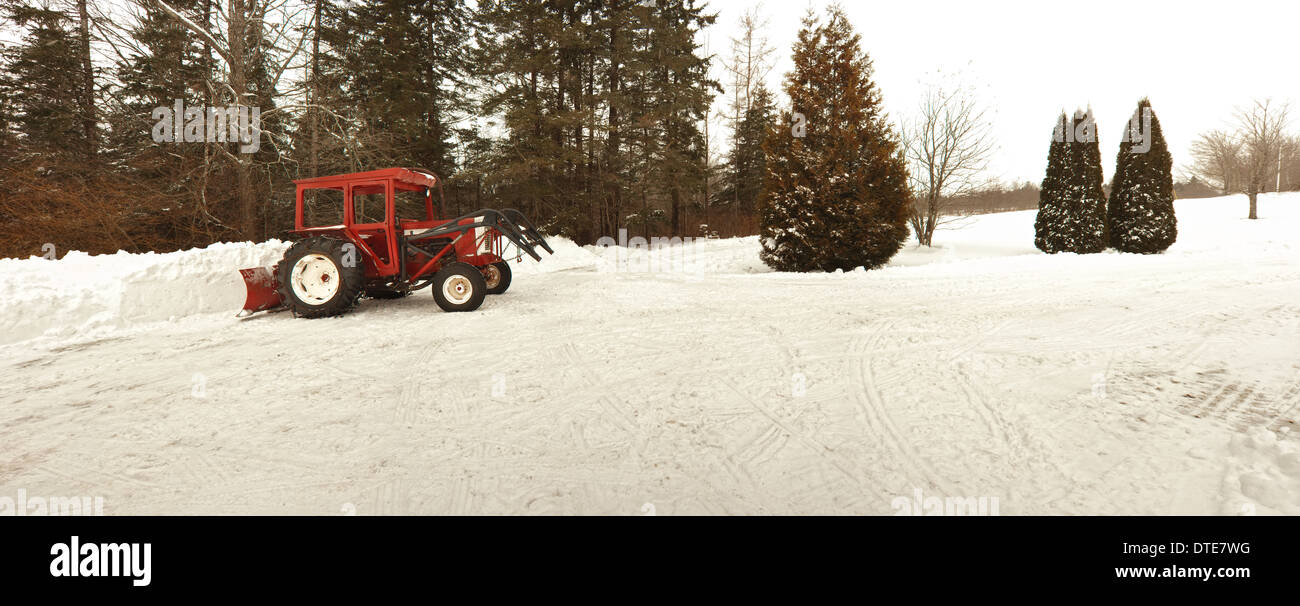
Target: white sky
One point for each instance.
(1028, 59)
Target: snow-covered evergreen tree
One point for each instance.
(1087, 188)
(836, 193)
(1049, 232)
(1072, 203)
(1141, 212)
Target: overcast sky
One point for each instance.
(1029, 59)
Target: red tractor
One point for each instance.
(375, 234)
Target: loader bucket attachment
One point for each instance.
(263, 291)
(526, 229)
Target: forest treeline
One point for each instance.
(589, 116)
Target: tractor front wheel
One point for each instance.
(319, 277)
(459, 287)
(497, 277)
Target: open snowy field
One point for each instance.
(1102, 384)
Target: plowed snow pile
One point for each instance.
(687, 377)
(83, 292)
(89, 294)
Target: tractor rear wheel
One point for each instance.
(320, 277)
(497, 277)
(459, 287)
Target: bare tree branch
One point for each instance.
(948, 146)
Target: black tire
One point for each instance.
(497, 277)
(334, 301)
(459, 287)
(386, 294)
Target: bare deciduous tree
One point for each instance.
(1217, 158)
(948, 145)
(1262, 132)
(1289, 175)
(751, 62)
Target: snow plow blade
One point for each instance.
(263, 292)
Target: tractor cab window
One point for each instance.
(368, 204)
(410, 204)
(322, 207)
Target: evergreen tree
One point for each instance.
(678, 84)
(1087, 189)
(172, 66)
(602, 104)
(399, 64)
(1141, 212)
(7, 142)
(747, 166)
(1049, 232)
(318, 143)
(837, 197)
(1072, 201)
(46, 88)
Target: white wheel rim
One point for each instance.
(457, 289)
(315, 279)
(492, 275)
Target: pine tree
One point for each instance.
(602, 105)
(7, 142)
(172, 67)
(1087, 185)
(47, 87)
(747, 165)
(837, 197)
(1072, 201)
(1141, 212)
(680, 87)
(400, 63)
(1049, 232)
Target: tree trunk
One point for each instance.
(236, 33)
(1254, 196)
(88, 82)
(313, 92)
(677, 212)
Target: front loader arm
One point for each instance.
(501, 221)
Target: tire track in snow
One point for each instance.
(877, 418)
(823, 451)
(623, 418)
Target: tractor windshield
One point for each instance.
(322, 207)
(412, 203)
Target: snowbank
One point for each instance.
(568, 256)
(677, 255)
(82, 292)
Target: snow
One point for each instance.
(83, 293)
(687, 377)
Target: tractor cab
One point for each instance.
(390, 239)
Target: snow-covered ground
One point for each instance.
(1101, 384)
